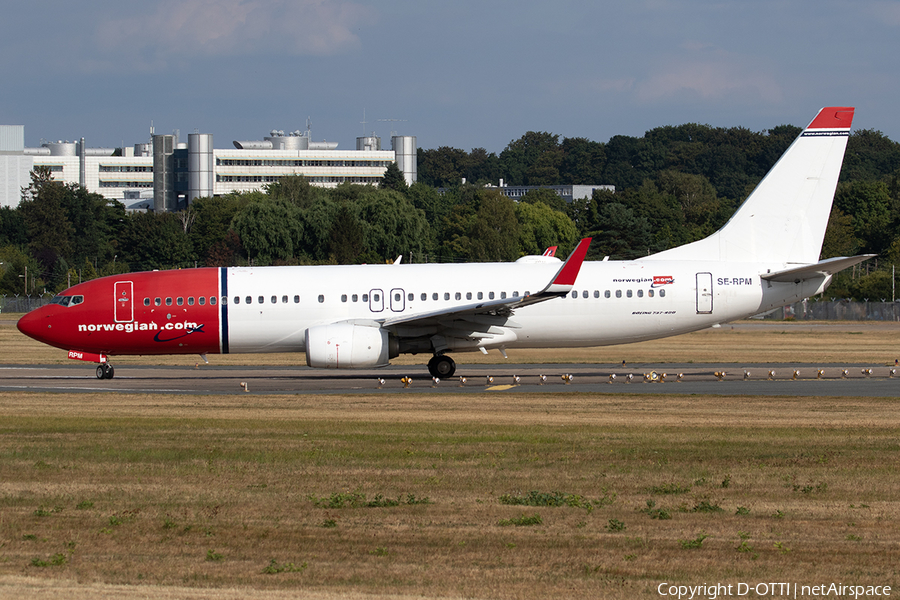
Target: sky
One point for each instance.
(460, 73)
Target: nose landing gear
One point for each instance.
(105, 371)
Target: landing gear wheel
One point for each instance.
(441, 366)
(105, 371)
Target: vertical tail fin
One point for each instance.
(784, 218)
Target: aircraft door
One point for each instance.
(124, 301)
(398, 301)
(376, 300)
(704, 293)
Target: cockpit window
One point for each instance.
(67, 300)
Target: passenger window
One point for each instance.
(261, 300)
(168, 302)
(446, 295)
(179, 301)
(296, 299)
(491, 295)
(237, 299)
(502, 295)
(434, 296)
(202, 300)
(343, 297)
(410, 296)
(640, 293)
(274, 300)
(458, 296)
(190, 300)
(628, 293)
(662, 293)
(468, 295)
(375, 298)
(284, 299)
(575, 294)
(618, 293)
(248, 300)
(596, 293)
(424, 297)
(212, 300)
(515, 294)
(650, 293)
(481, 295)
(365, 297)
(321, 298)
(397, 297)
(606, 293)
(355, 298)
(157, 301)
(146, 301)
(584, 294)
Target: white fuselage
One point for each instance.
(611, 303)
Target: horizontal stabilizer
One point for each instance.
(822, 268)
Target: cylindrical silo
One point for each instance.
(200, 166)
(405, 155)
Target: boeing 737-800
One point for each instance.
(358, 316)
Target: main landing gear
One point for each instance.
(441, 366)
(105, 371)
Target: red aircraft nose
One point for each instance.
(36, 325)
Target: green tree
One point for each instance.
(153, 241)
(295, 190)
(269, 230)
(840, 239)
(12, 227)
(533, 159)
(12, 271)
(545, 196)
(393, 225)
(494, 233)
(870, 205)
(622, 235)
(393, 179)
(541, 227)
(46, 219)
(346, 240)
(209, 233)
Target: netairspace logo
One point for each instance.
(771, 590)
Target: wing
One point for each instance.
(481, 323)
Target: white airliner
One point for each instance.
(344, 317)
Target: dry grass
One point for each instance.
(187, 492)
(147, 496)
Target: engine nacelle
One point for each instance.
(349, 345)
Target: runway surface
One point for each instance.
(646, 379)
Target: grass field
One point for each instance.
(488, 495)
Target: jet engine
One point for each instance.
(349, 345)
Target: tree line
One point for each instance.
(674, 185)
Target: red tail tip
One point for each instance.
(833, 117)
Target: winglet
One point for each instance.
(568, 273)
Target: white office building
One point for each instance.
(167, 175)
